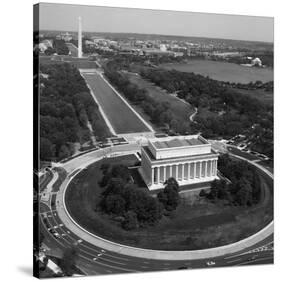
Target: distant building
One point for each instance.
(89, 43)
(257, 62)
(178, 54)
(45, 44)
(66, 37)
(163, 47)
(188, 159)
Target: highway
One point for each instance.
(94, 260)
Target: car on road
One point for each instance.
(242, 146)
(55, 233)
(264, 157)
(210, 263)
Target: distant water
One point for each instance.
(223, 71)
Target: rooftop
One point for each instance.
(178, 142)
(178, 158)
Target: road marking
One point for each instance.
(234, 260)
(254, 260)
(109, 266)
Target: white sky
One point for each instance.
(106, 19)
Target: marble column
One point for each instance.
(152, 176)
(158, 174)
(216, 163)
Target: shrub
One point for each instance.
(131, 221)
(114, 204)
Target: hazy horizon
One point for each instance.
(99, 19)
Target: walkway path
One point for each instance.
(193, 115)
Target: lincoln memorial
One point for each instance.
(189, 159)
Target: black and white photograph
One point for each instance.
(153, 140)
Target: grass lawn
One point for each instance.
(181, 110)
(195, 224)
(121, 117)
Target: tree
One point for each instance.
(172, 198)
(115, 186)
(203, 193)
(172, 183)
(131, 221)
(218, 189)
(244, 195)
(169, 197)
(49, 51)
(47, 149)
(120, 171)
(115, 204)
(64, 152)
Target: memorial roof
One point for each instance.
(177, 142)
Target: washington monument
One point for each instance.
(79, 37)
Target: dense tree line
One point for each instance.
(242, 186)
(121, 198)
(67, 112)
(169, 196)
(221, 111)
(137, 208)
(267, 86)
(160, 113)
(59, 47)
(267, 58)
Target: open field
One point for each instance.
(196, 224)
(223, 71)
(121, 117)
(181, 110)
